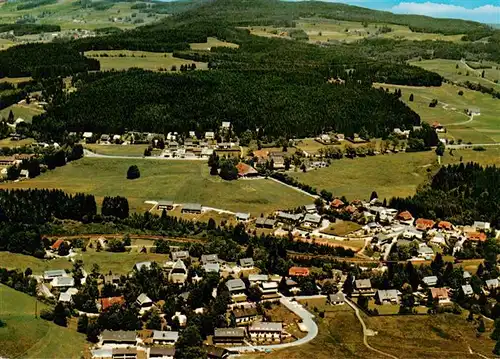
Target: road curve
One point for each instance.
(307, 319)
(365, 340)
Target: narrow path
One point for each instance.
(365, 340)
(462, 123)
(478, 72)
(294, 188)
(464, 145)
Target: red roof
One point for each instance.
(350, 209)
(261, 153)
(337, 203)
(476, 236)
(424, 224)
(298, 271)
(439, 293)
(245, 170)
(436, 124)
(57, 244)
(108, 302)
(445, 225)
(405, 216)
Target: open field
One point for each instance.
(450, 111)
(7, 142)
(181, 181)
(342, 228)
(26, 112)
(429, 336)
(29, 337)
(125, 59)
(212, 42)
(389, 175)
(323, 30)
(447, 69)
(117, 150)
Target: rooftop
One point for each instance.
(229, 332)
(265, 327)
(235, 285)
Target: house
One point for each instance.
(476, 236)
(110, 301)
(126, 337)
(7, 160)
(388, 296)
(165, 205)
(423, 224)
(411, 232)
(179, 273)
(337, 203)
(278, 161)
(492, 283)
(363, 287)
(24, 174)
(228, 336)
(179, 255)
(430, 281)
(246, 263)
(298, 272)
(438, 239)
(49, 275)
(481, 226)
(209, 135)
(104, 138)
(265, 223)
(62, 283)
(445, 225)
(214, 352)
(55, 246)
(473, 111)
(268, 288)
(256, 279)
(440, 295)
(144, 302)
(233, 152)
(245, 315)
(292, 286)
(312, 220)
(191, 208)
(138, 266)
(265, 331)
(237, 289)
(103, 353)
(111, 279)
(466, 276)
(161, 353)
(405, 217)
(242, 217)
(402, 133)
(209, 258)
(337, 298)
(311, 208)
(124, 353)
(226, 125)
(164, 337)
(425, 252)
(245, 170)
(211, 267)
(438, 127)
(290, 218)
(467, 290)
(65, 297)
(87, 135)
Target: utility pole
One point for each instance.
(36, 305)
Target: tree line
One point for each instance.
(21, 29)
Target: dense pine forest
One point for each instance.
(460, 193)
(281, 104)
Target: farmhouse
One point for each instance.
(256, 279)
(291, 218)
(209, 135)
(244, 315)
(268, 288)
(423, 224)
(214, 352)
(473, 111)
(476, 236)
(191, 208)
(138, 266)
(179, 255)
(481, 226)
(229, 335)
(237, 289)
(311, 208)
(492, 284)
(165, 337)
(118, 337)
(162, 353)
(312, 220)
(363, 287)
(389, 296)
(209, 258)
(108, 302)
(124, 353)
(445, 225)
(440, 295)
(265, 331)
(337, 203)
(430, 281)
(298, 272)
(165, 205)
(337, 298)
(245, 170)
(467, 290)
(49, 275)
(242, 217)
(246, 263)
(265, 223)
(179, 272)
(144, 302)
(62, 283)
(211, 267)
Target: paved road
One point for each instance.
(464, 145)
(88, 153)
(307, 319)
(294, 188)
(365, 340)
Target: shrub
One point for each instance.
(133, 172)
(47, 314)
(460, 93)
(479, 148)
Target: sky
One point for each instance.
(486, 11)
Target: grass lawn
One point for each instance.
(142, 59)
(447, 69)
(7, 142)
(389, 175)
(26, 112)
(342, 228)
(212, 42)
(450, 111)
(117, 150)
(429, 336)
(180, 181)
(25, 336)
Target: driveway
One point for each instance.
(307, 319)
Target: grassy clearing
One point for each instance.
(429, 336)
(181, 181)
(117, 150)
(342, 228)
(390, 175)
(29, 337)
(142, 59)
(212, 42)
(450, 111)
(26, 112)
(448, 69)
(7, 142)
